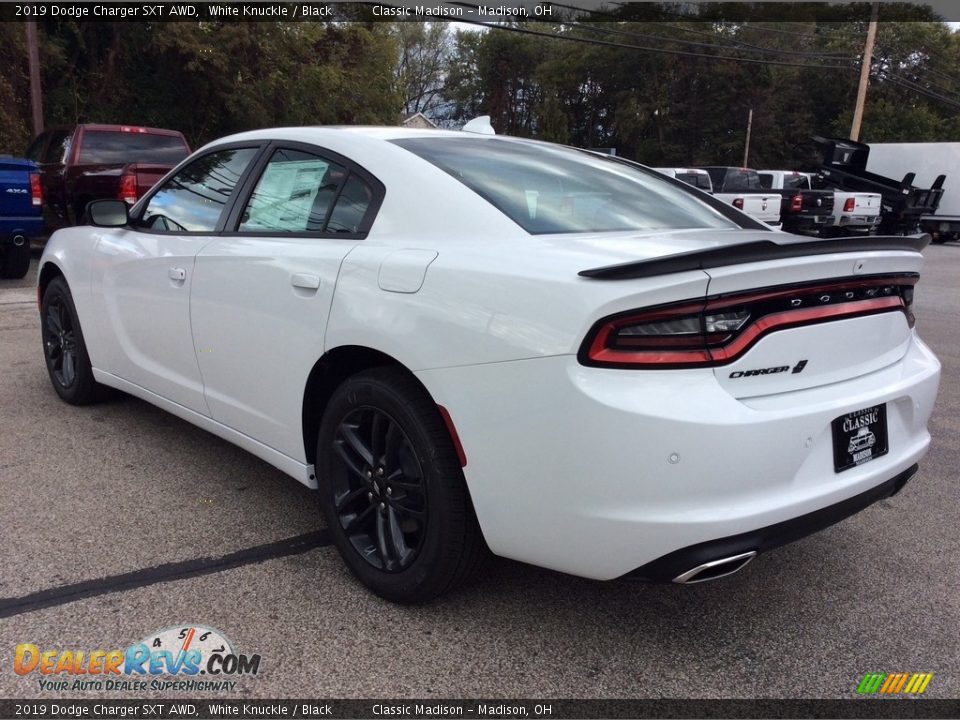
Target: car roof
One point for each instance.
(324, 131)
(363, 133)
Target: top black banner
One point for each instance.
(497, 11)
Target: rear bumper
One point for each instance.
(804, 222)
(27, 227)
(672, 566)
(601, 472)
(856, 221)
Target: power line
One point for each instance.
(745, 47)
(926, 65)
(663, 51)
(919, 89)
(737, 44)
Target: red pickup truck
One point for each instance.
(81, 163)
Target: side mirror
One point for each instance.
(108, 213)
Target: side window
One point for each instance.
(302, 192)
(351, 207)
(193, 199)
(294, 194)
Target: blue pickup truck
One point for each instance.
(21, 217)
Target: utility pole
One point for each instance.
(36, 93)
(865, 72)
(746, 147)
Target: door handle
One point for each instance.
(305, 281)
(177, 274)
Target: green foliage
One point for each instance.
(14, 90)
(676, 109)
(209, 79)
(206, 79)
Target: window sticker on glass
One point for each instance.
(293, 194)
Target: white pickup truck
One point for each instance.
(853, 212)
(692, 176)
(741, 188)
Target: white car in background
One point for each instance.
(467, 340)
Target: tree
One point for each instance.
(424, 51)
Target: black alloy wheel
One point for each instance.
(64, 349)
(391, 488)
(60, 342)
(379, 492)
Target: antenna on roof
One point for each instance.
(480, 126)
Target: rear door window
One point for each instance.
(302, 192)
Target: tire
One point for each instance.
(392, 491)
(16, 261)
(64, 349)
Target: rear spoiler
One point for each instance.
(750, 252)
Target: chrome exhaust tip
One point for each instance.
(715, 569)
(19, 240)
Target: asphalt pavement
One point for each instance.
(120, 520)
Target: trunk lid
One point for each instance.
(819, 349)
(779, 313)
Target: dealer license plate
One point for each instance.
(859, 437)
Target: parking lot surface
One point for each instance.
(131, 509)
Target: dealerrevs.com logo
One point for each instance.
(186, 657)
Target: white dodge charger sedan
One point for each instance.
(466, 341)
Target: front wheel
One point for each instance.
(64, 348)
(392, 490)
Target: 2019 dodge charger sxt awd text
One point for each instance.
(465, 340)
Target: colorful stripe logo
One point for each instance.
(894, 683)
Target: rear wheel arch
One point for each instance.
(329, 372)
(335, 367)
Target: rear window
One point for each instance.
(113, 147)
(795, 182)
(738, 179)
(698, 180)
(552, 189)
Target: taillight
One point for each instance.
(738, 203)
(128, 189)
(720, 329)
(36, 192)
(849, 204)
(796, 203)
